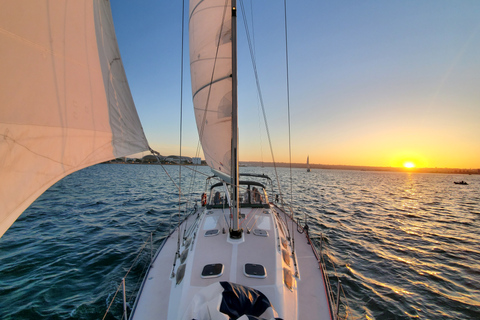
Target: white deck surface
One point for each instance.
(161, 298)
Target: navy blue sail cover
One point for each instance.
(238, 300)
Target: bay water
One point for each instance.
(404, 245)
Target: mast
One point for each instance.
(235, 232)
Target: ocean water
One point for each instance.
(404, 245)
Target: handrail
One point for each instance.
(143, 247)
(334, 307)
(122, 283)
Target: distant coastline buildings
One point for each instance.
(151, 159)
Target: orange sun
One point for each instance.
(409, 165)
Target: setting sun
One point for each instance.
(409, 164)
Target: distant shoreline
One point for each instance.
(334, 167)
(366, 168)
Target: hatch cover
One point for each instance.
(254, 270)
(212, 270)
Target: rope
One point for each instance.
(111, 302)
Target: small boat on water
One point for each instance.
(461, 182)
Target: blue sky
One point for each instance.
(371, 82)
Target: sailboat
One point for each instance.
(239, 255)
(308, 163)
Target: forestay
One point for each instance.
(65, 103)
(211, 74)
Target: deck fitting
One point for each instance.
(236, 234)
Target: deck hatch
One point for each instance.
(212, 232)
(254, 270)
(212, 270)
(260, 232)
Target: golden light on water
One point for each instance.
(409, 165)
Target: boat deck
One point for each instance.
(264, 243)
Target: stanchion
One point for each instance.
(338, 298)
(124, 300)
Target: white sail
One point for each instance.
(65, 103)
(211, 73)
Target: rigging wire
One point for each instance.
(181, 113)
(289, 124)
(259, 91)
(157, 155)
(288, 104)
(195, 171)
(252, 56)
(251, 12)
(181, 123)
(260, 96)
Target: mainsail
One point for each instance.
(211, 73)
(65, 103)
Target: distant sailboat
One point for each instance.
(308, 163)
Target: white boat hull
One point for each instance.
(264, 240)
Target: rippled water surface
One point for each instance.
(405, 245)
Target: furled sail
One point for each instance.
(211, 72)
(65, 103)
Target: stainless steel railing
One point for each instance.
(334, 303)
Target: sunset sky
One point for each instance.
(372, 83)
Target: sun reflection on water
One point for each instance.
(407, 239)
